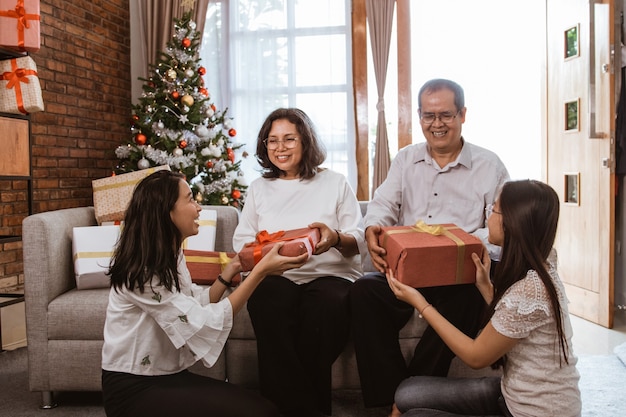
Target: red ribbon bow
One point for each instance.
(23, 18)
(15, 77)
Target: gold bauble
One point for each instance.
(224, 200)
(187, 100)
(171, 74)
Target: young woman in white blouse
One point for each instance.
(158, 323)
(528, 330)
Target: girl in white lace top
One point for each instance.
(528, 331)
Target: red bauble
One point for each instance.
(236, 194)
(201, 70)
(209, 164)
(140, 139)
(204, 92)
(182, 144)
(232, 132)
(213, 107)
(175, 95)
(186, 43)
(231, 155)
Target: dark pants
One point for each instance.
(300, 331)
(378, 316)
(182, 394)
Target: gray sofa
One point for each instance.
(64, 325)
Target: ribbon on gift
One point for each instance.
(15, 77)
(222, 259)
(263, 238)
(437, 230)
(23, 18)
(92, 255)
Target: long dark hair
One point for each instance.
(530, 214)
(150, 242)
(313, 152)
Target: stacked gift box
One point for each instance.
(20, 90)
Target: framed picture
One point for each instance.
(571, 41)
(572, 115)
(572, 188)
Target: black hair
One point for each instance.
(149, 242)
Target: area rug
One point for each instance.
(602, 385)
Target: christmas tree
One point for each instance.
(176, 124)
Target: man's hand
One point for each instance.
(377, 253)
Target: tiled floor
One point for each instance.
(591, 339)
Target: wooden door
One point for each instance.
(579, 128)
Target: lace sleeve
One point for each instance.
(523, 308)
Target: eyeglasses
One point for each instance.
(445, 118)
(288, 143)
(489, 211)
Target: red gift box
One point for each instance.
(431, 255)
(297, 242)
(19, 25)
(205, 266)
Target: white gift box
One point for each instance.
(205, 239)
(92, 249)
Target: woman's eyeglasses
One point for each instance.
(273, 143)
(489, 211)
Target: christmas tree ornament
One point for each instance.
(143, 163)
(187, 100)
(202, 131)
(175, 95)
(140, 139)
(182, 144)
(178, 152)
(204, 92)
(202, 71)
(236, 194)
(209, 164)
(171, 74)
(224, 200)
(232, 132)
(186, 43)
(188, 73)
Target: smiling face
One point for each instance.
(288, 160)
(186, 211)
(443, 138)
(494, 223)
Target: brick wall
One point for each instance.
(84, 70)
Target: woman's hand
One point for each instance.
(328, 237)
(406, 293)
(483, 270)
(274, 263)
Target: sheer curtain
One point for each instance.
(380, 20)
(262, 54)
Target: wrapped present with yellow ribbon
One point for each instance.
(111, 195)
(297, 242)
(425, 255)
(204, 266)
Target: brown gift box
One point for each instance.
(297, 242)
(431, 255)
(204, 266)
(111, 195)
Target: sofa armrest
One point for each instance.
(48, 273)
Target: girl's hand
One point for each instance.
(405, 292)
(483, 270)
(274, 263)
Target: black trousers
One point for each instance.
(378, 316)
(300, 331)
(182, 394)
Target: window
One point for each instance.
(264, 54)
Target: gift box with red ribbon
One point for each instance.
(19, 25)
(205, 266)
(297, 242)
(20, 91)
(431, 255)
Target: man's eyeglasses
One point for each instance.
(489, 211)
(445, 118)
(288, 143)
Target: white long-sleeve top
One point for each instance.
(279, 204)
(160, 332)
